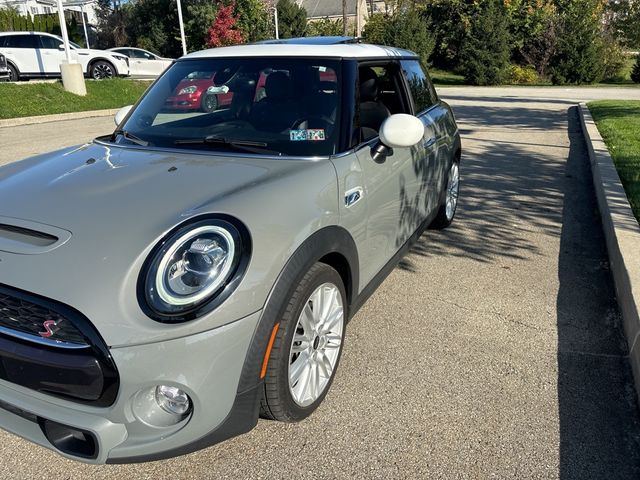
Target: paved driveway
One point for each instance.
(494, 350)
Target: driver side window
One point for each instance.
(380, 94)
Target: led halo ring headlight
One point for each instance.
(192, 267)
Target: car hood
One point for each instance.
(117, 203)
(94, 52)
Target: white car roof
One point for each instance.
(349, 50)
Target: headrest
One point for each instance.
(368, 85)
(278, 86)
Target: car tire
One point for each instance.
(209, 103)
(14, 74)
(447, 210)
(306, 350)
(101, 70)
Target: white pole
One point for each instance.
(184, 42)
(63, 29)
(275, 17)
(84, 25)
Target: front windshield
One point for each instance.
(286, 106)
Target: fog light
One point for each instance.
(173, 400)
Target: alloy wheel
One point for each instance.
(316, 344)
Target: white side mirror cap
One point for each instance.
(401, 130)
(120, 114)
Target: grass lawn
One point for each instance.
(619, 125)
(443, 78)
(28, 99)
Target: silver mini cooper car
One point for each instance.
(164, 286)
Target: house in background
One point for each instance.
(357, 11)
(42, 7)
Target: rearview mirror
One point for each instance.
(120, 114)
(397, 131)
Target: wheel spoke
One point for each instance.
(300, 344)
(306, 320)
(325, 366)
(298, 368)
(333, 341)
(332, 320)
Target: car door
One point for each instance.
(22, 50)
(390, 195)
(146, 64)
(51, 54)
(435, 147)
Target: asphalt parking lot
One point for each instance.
(494, 350)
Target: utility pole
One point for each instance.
(184, 42)
(344, 18)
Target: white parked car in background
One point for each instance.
(144, 63)
(38, 55)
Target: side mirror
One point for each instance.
(61, 46)
(397, 131)
(120, 114)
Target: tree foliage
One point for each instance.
(325, 27)
(292, 19)
(224, 30)
(255, 21)
(635, 71)
(579, 53)
(406, 28)
(486, 49)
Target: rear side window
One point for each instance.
(21, 41)
(424, 95)
(141, 54)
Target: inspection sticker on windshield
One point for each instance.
(310, 135)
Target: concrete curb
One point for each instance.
(622, 234)
(14, 122)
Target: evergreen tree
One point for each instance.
(486, 49)
(292, 19)
(254, 20)
(635, 71)
(405, 28)
(579, 54)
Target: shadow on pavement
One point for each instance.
(599, 427)
(509, 194)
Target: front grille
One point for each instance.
(54, 349)
(20, 315)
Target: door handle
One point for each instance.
(430, 143)
(353, 196)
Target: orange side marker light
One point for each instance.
(265, 361)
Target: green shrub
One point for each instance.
(487, 48)
(523, 75)
(406, 28)
(635, 71)
(580, 50)
(614, 59)
(325, 27)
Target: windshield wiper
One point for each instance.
(242, 145)
(131, 137)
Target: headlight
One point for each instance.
(194, 266)
(185, 90)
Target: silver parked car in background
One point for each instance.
(142, 63)
(163, 286)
